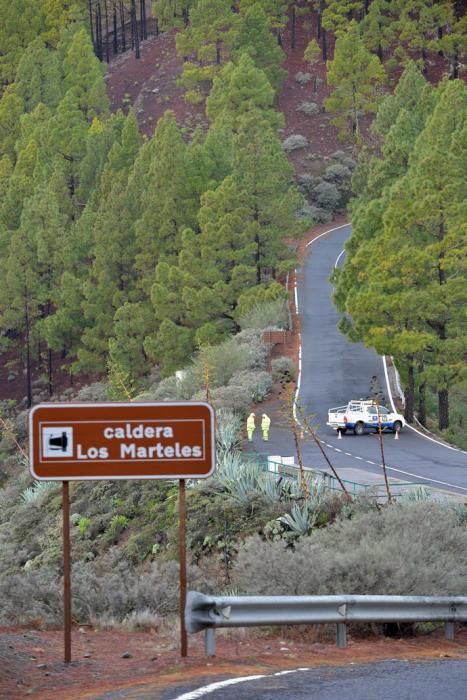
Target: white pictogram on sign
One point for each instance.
(57, 441)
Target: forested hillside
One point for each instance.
(120, 253)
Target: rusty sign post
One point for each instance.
(79, 441)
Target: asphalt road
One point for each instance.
(388, 680)
(335, 370)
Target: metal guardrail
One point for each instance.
(204, 612)
(375, 490)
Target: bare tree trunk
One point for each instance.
(409, 393)
(383, 461)
(122, 25)
(324, 45)
(443, 409)
(28, 355)
(50, 372)
(115, 31)
(144, 22)
(422, 402)
(134, 30)
(107, 47)
(311, 432)
(293, 26)
(91, 24)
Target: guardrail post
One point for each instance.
(210, 641)
(341, 635)
(449, 630)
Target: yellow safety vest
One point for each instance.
(265, 423)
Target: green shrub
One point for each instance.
(84, 524)
(294, 142)
(222, 361)
(255, 385)
(303, 78)
(258, 295)
(308, 108)
(271, 314)
(283, 369)
(410, 549)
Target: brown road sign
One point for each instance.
(121, 441)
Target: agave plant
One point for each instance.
(37, 490)
(421, 494)
(228, 430)
(301, 519)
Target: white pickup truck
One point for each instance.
(361, 415)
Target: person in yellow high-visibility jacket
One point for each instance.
(250, 426)
(265, 425)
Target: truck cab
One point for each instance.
(362, 415)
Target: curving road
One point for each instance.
(391, 680)
(334, 370)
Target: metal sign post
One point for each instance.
(78, 441)
(182, 557)
(66, 573)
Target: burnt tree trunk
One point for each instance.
(144, 23)
(294, 21)
(28, 355)
(122, 25)
(134, 30)
(409, 393)
(107, 47)
(422, 403)
(91, 26)
(49, 372)
(443, 409)
(115, 31)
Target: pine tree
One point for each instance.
(39, 78)
(171, 347)
(255, 38)
(338, 14)
(22, 21)
(112, 279)
(171, 14)
(21, 292)
(241, 89)
(128, 362)
(11, 109)
(420, 23)
(84, 77)
(275, 10)
(168, 203)
(380, 28)
(405, 285)
(263, 175)
(356, 75)
(210, 37)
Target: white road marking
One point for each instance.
(339, 257)
(205, 690)
(330, 230)
(368, 461)
(199, 692)
(349, 454)
(426, 478)
(358, 457)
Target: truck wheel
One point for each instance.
(359, 428)
(397, 426)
